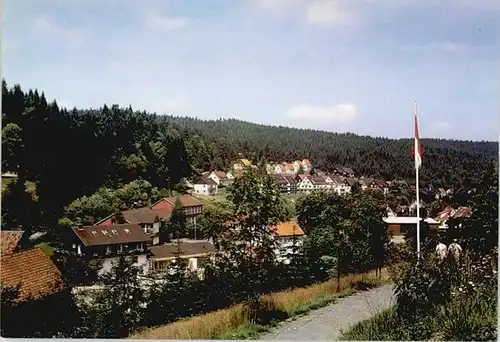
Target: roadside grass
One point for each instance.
(473, 318)
(235, 323)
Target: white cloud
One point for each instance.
(165, 23)
(342, 113)
(325, 13)
(45, 26)
(328, 13)
(276, 5)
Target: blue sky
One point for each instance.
(337, 65)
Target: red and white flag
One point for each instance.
(417, 148)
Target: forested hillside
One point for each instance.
(71, 153)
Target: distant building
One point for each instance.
(220, 177)
(398, 227)
(205, 186)
(196, 252)
(108, 243)
(284, 234)
(193, 207)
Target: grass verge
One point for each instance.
(234, 322)
(473, 318)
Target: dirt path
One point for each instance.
(326, 323)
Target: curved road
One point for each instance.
(326, 323)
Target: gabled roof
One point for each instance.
(220, 174)
(317, 180)
(280, 179)
(303, 176)
(288, 228)
(140, 215)
(290, 178)
(169, 250)
(10, 240)
(33, 271)
(348, 170)
(135, 216)
(306, 162)
(205, 180)
(110, 235)
(366, 181)
(245, 162)
(186, 201)
(351, 181)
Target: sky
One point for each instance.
(337, 65)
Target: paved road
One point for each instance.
(326, 323)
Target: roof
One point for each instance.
(306, 162)
(303, 176)
(288, 228)
(140, 215)
(366, 181)
(135, 216)
(186, 200)
(10, 240)
(205, 180)
(290, 178)
(450, 213)
(110, 235)
(220, 174)
(407, 220)
(33, 271)
(380, 183)
(280, 179)
(317, 180)
(348, 170)
(245, 162)
(169, 250)
(351, 181)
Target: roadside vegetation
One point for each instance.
(454, 299)
(235, 322)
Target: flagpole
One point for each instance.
(417, 143)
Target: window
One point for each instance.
(94, 233)
(127, 231)
(114, 232)
(104, 232)
(108, 249)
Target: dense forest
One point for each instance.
(72, 153)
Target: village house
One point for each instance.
(306, 164)
(365, 182)
(350, 182)
(343, 171)
(196, 252)
(304, 183)
(220, 177)
(205, 186)
(398, 227)
(146, 218)
(297, 165)
(286, 183)
(319, 182)
(449, 213)
(286, 234)
(192, 207)
(108, 243)
(379, 184)
(339, 185)
(27, 267)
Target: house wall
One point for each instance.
(108, 222)
(140, 261)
